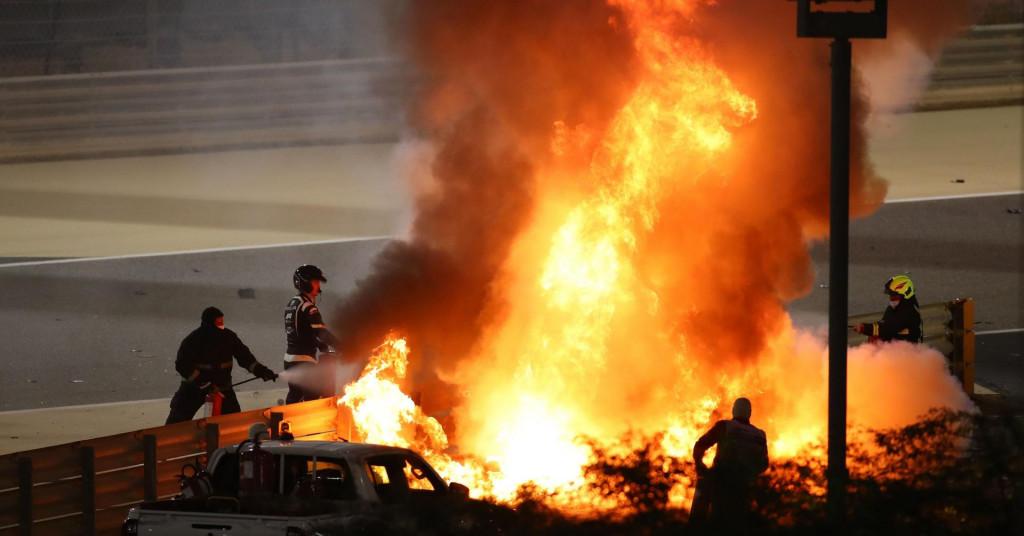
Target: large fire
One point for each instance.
(646, 288)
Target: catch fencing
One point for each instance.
(87, 487)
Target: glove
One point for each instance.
(264, 373)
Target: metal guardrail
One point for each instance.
(947, 327)
(86, 487)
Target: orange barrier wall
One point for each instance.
(87, 487)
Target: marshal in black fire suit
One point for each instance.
(742, 455)
(305, 333)
(901, 320)
(205, 361)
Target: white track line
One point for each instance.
(958, 196)
(81, 406)
(240, 394)
(999, 331)
(195, 251)
(221, 68)
(363, 238)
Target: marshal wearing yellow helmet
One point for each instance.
(901, 321)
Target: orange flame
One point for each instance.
(383, 414)
(597, 332)
(380, 410)
(565, 299)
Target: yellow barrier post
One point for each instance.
(961, 335)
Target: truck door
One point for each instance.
(397, 477)
(320, 478)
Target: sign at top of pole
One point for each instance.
(825, 18)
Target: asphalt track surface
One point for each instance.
(1000, 366)
(107, 330)
(952, 248)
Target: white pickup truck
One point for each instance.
(320, 487)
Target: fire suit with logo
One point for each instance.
(306, 335)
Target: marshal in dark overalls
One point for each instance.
(205, 361)
(725, 488)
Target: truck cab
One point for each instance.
(296, 487)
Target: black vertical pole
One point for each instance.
(25, 496)
(275, 424)
(88, 455)
(212, 439)
(149, 467)
(838, 285)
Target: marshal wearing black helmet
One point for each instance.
(304, 328)
(305, 275)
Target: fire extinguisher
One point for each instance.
(257, 471)
(215, 399)
(213, 404)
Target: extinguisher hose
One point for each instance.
(245, 381)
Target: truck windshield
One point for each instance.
(396, 476)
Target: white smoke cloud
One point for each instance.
(894, 81)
